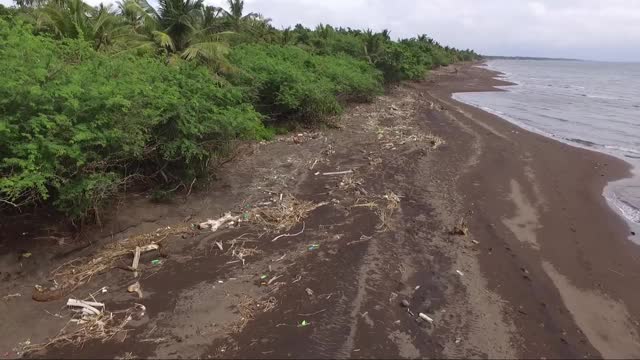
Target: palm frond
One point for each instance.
(164, 40)
(208, 51)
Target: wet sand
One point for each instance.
(545, 269)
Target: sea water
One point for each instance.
(593, 105)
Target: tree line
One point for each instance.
(96, 99)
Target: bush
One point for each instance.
(77, 123)
(287, 81)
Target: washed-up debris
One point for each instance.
(475, 242)
(289, 235)
(392, 297)
(87, 307)
(405, 303)
(262, 277)
(461, 229)
(156, 262)
(283, 215)
(309, 291)
(135, 288)
(78, 271)
(7, 297)
(136, 261)
(459, 272)
(313, 313)
(25, 255)
(338, 173)
(425, 317)
(214, 225)
(314, 247)
(304, 323)
(219, 244)
(92, 324)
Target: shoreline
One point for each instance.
(608, 191)
(572, 240)
(499, 235)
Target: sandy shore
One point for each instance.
(544, 270)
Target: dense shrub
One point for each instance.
(76, 122)
(287, 81)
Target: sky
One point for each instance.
(587, 29)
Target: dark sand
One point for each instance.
(546, 269)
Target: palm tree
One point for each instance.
(75, 19)
(235, 16)
(183, 28)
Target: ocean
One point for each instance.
(592, 105)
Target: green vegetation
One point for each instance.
(93, 99)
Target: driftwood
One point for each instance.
(289, 235)
(214, 225)
(338, 173)
(88, 307)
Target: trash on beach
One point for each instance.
(459, 272)
(314, 247)
(338, 173)
(135, 288)
(25, 255)
(425, 317)
(136, 261)
(214, 225)
(416, 288)
(156, 262)
(475, 242)
(290, 235)
(461, 229)
(219, 244)
(7, 297)
(309, 291)
(87, 307)
(392, 297)
(262, 277)
(304, 323)
(405, 303)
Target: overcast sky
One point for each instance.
(587, 29)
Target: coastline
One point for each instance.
(629, 213)
(562, 225)
(499, 235)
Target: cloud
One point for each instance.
(593, 29)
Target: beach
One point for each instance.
(416, 204)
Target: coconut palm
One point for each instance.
(75, 19)
(235, 15)
(183, 28)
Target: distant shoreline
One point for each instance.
(491, 57)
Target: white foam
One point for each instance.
(629, 212)
(622, 148)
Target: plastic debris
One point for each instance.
(314, 247)
(135, 288)
(304, 323)
(26, 255)
(405, 303)
(156, 262)
(425, 317)
(309, 291)
(459, 272)
(262, 277)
